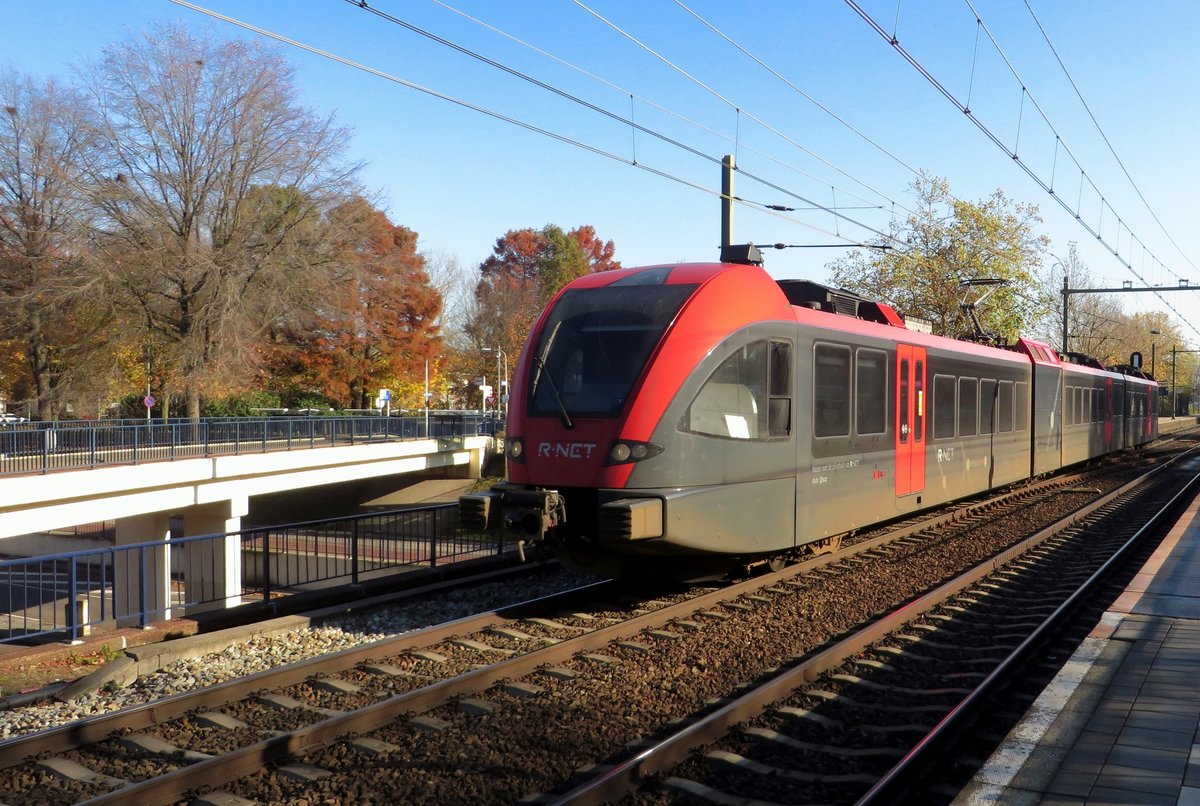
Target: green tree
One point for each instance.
(945, 242)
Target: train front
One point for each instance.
(593, 385)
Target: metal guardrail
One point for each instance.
(40, 447)
(66, 595)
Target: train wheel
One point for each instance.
(826, 546)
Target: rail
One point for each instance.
(902, 777)
(64, 596)
(619, 780)
(42, 447)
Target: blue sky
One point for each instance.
(461, 179)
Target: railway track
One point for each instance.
(879, 716)
(509, 703)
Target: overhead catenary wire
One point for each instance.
(364, 5)
(506, 118)
(733, 141)
(1104, 136)
(981, 25)
(1115, 249)
(571, 141)
(999, 143)
(813, 205)
(746, 52)
(761, 63)
(732, 105)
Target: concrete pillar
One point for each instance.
(212, 569)
(142, 578)
(477, 459)
(475, 466)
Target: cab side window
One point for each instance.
(748, 396)
(779, 374)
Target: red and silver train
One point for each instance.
(681, 421)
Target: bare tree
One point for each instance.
(49, 309)
(456, 288)
(212, 182)
(1098, 326)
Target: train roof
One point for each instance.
(847, 311)
(847, 324)
(662, 274)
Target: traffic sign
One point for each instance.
(149, 401)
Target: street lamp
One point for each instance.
(500, 354)
(1154, 353)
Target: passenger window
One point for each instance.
(871, 392)
(831, 391)
(733, 401)
(904, 400)
(1022, 406)
(1004, 423)
(943, 406)
(968, 406)
(987, 406)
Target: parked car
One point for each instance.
(11, 418)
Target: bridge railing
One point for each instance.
(65, 596)
(40, 447)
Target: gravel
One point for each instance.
(259, 654)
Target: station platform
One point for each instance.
(1120, 723)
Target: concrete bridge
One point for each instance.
(207, 495)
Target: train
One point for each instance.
(689, 421)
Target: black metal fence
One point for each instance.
(67, 595)
(40, 447)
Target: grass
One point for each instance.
(491, 474)
(26, 675)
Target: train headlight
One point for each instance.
(516, 449)
(624, 451)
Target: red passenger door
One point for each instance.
(910, 419)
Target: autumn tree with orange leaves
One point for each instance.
(526, 269)
(379, 325)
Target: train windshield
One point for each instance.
(594, 345)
